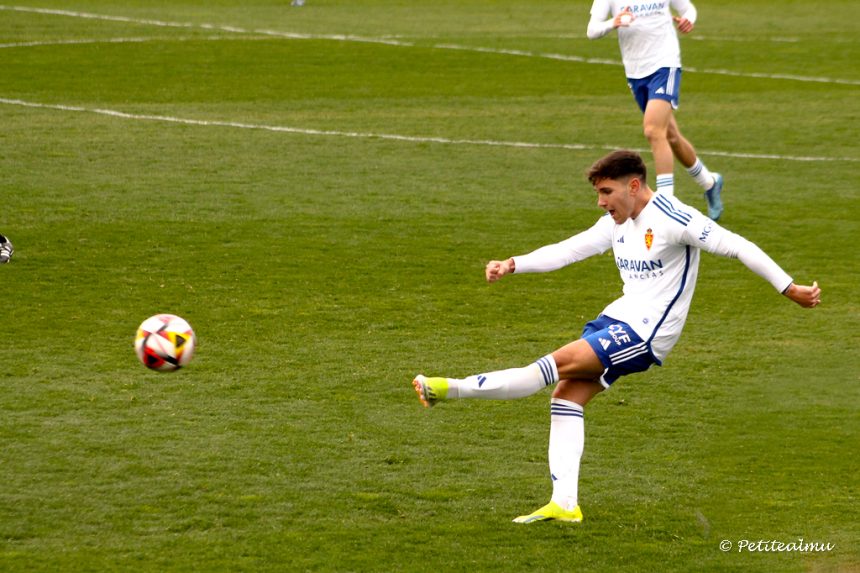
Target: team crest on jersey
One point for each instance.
(649, 239)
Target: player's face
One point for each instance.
(615, 198)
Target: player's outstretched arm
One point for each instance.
(497, 269)
(720, 241)
(805, 296)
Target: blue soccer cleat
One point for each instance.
(712, 196)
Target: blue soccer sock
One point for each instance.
(506, 384)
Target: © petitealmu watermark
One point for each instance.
(800, 545)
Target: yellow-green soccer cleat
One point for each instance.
(552, 510)
(430, 390)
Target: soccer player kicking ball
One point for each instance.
(656, 240)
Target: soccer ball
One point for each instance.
(165, 342)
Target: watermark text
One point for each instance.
(800, 545)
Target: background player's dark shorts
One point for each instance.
(619, 348)
(663, 84)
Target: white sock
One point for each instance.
(566, 443)
(666, 183)
(507, 384)
(701, 174)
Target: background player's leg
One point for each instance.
(686, 154)
(681, 147)
(712, 183)
(655, 125)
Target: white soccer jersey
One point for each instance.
(650, 42)
(657, 255)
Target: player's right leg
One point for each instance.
(498, 385)
(574, 361)
(430, 390)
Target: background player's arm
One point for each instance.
(599, 25)
(687, 14)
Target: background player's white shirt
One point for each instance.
(657, 255)
(650, 42)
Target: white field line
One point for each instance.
(392, 42)
(774, 39)
(386, 136)
(72, 42)
(130, 40)
(213, 27)
(696, 38)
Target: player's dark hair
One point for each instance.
(618, 165)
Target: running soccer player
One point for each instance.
(652, 63)
(656, 240)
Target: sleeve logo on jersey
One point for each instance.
(706, 231)
(649, 239)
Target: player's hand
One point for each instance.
(805, 296)
(623, 19)
(497, 269)
(684, 25)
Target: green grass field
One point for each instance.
(317, 191)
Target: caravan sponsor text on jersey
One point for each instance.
(646, 8)
(640, 268)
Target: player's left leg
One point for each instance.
(567, 429)
(566, 444)
(619, 351)
(682, 149)
(712, 183)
